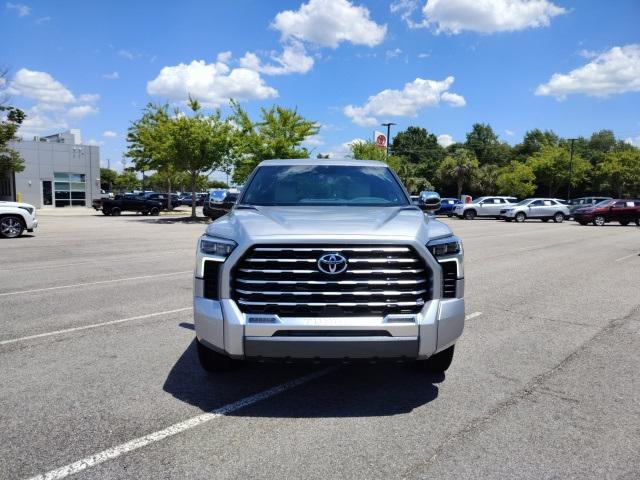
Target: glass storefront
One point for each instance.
(69, 189)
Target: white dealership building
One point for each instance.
(59, 172)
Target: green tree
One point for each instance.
(419, 148)
(148, 145)
(216, 184)
(278, 134)
(619, 171)
(367, 151)
(484, 144)
(551, 168)
(107, 178)
(533, 141)
(516, 179)
(197, 144)
(486, 180)
(10, 160)
(126, 181)
(460, 168)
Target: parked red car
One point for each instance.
(623, 211)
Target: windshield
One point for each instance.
(603, 203)
(218, 195)
(324, 185)
(522, 203)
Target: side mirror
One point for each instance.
(429, 201)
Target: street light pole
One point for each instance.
(388, 125)
(570, 169)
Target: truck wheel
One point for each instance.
(599, 220)
(558, 217)
(624, 223)
(115, 211)
(11, 226)
(215, 362)
(154, 211)
(470, 214)
(520, 217)
(438, 363)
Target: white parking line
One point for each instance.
(100, 282)
(628, 256)
(94, 325)
(473, 315)
(114, 452)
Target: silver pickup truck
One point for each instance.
(328, 260)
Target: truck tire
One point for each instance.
(11, 226)
(115, 211)
(470, 214)
(438, 363)
(558, 217)
(154, 211)
(215, 362)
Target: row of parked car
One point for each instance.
(585, 210)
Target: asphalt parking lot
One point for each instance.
(99, 377)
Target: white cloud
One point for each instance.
(327, 23)
(39, 86)
(293, 59)
(126, 54)
(224, 57)
(42, 20)
(94, 142)
(211, 83)
(111, 76)
(20, 9)
(614, 71)
(635, 141)
(109, 134)
(37, 124)
(483, 16)
(343, 149)
(54, 105)
(82, 111)
(424, 55)
(89, 97)
(407, 102)
(395, 53)
(314, 141)
(445, 140)
(509, 132)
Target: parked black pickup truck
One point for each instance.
(130, 203)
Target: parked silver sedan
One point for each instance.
(544, 209)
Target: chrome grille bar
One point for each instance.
(333, 282)
(360, 272)
(315, 260)
(356, 294)
(337, 304)
(344, 248)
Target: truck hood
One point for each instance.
(325, 222)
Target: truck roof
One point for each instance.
(323, 161)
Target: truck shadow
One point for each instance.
(354, 390)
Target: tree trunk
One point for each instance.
(193, 195)
(168, 194)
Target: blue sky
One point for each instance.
(573, 67)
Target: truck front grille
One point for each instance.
(285, 280)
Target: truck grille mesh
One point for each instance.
(285, 280)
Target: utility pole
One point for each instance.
(388, 125)
(570, 169)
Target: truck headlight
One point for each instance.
(445, 246)
(218, 247)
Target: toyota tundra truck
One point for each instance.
(328, 261)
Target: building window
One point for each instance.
(69, 189)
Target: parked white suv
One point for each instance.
(15, 218)
(484, 207)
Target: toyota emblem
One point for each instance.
(332, 263)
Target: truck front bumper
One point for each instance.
(221, 326)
